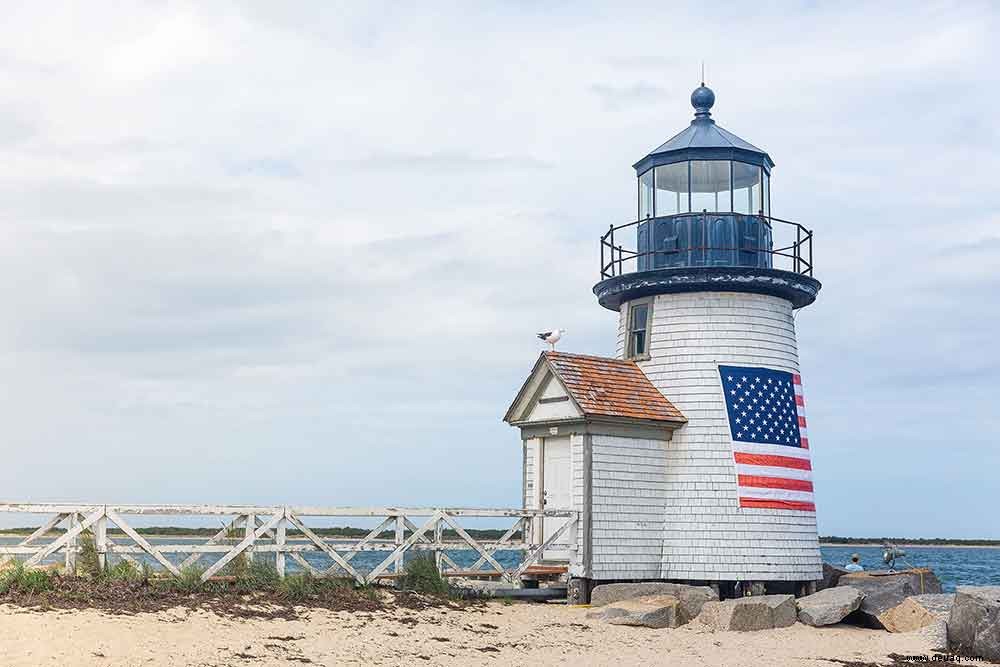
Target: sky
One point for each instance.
(297, 252)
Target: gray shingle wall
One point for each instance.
(577, 488)
(629, 508)
(531, 454)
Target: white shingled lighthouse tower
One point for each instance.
(687, 455)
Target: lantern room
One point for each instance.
(704, 198)
(704, 221)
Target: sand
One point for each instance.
(492, 634)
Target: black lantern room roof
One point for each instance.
(703, 139)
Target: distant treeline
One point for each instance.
(929, 541)
(345, 531)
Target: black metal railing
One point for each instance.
(788, 247)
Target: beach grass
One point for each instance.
(23, 580)
(421, 574)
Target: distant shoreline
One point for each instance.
(910, 545)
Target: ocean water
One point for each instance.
(363, 562)
(953, 566)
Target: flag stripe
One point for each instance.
(776, 494)
(777, 504)
(776, 450)
(768, 471)
(776, 461)
(759, 482)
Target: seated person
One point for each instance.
(855, 564)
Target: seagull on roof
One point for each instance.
(551, 336)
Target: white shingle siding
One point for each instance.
(628, 507)
(705, 535)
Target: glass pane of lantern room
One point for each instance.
(672, 189)
(767, 194)
(756, 205)
(746, 178)
(646, 195)
(710, 185)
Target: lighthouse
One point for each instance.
(687, 455)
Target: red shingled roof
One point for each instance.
(611, 387)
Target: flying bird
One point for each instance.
(552, 336)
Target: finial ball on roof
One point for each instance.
(702, 99)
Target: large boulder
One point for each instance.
(974, 623)
(885, 590)
(829, 606)
(651, 611)
(918, 611)
(691, 598)
(761, 612)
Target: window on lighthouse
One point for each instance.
(638, 327)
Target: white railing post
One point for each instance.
(438, 534)
(101, 541)
(400, 527)
(279, 542)
(69, 550)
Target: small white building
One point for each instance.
(687, 455)
(595, 434)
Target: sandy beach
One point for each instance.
(489, 634)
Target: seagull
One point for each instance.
(552, 336)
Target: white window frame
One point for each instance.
(629, 348)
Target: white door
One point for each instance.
(556, 493)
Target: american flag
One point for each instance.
(767, 421)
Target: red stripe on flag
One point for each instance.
(802, 422)
(778, 504)
(805, 443)
(796, 379)
(773, 461)
(775, 483)
(799, 401)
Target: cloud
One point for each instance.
(617, 97)
(239, 237)
(447, 162)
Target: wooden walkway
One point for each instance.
(264, 530)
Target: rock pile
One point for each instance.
(967, 622)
